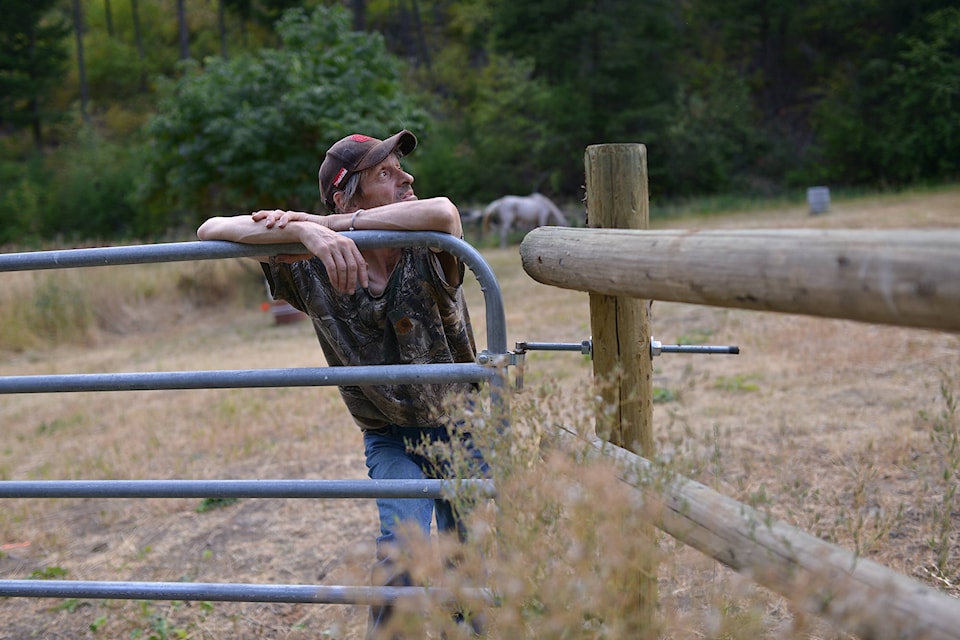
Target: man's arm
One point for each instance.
(339, 254)
(432, 214)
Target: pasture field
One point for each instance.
(847, 430)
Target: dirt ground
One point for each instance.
(831, 424)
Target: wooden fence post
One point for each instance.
(617, 198)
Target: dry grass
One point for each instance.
(840, 428)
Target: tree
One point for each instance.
(359, 9)
(251, 131)
(81, 66)
(895, 120)
(222, 27)
(610, 64)
(33, 59)
(138, 38)
(183, 31)
(108, 12)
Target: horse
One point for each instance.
(534, 210)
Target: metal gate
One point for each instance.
(489, 369)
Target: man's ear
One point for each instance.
(337, 201)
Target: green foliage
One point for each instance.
(740, 383)
(502, 144)
(33, 58)
(22, 191)
(894, 120)
(741, 97)
(98, 623)
(251, 131)
(713, 137)
(87, 190)
(114, 63)
(113, 68)
(595, 66)
(209, 504)
(94, 194)
(662, 395)
(49, 573)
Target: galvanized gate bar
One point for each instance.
(327, 376)
(218, 249)
(246, 378)
(235, 592)
(243, 488)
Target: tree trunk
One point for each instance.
(421, 38)
(222, 26)
(34, 102)
(138, 36)
(359, 9)
(109, 15)
(184, 35)
(81, 67)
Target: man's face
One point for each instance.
(385, 183)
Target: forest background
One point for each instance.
(137, 119)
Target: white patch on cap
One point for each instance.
(340, 176)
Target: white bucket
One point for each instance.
(818, 198)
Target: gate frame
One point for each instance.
(490, 368)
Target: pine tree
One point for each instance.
(33, 60)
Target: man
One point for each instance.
(377, 306)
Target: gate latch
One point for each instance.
(586, 348)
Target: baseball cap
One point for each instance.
(357, 152)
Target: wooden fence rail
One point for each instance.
(909, 278)
(855, 594)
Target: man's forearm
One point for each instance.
(248, 231)
(433, 214)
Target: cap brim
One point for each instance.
(405, 141)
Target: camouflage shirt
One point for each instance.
(418, 319)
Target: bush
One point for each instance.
(23, 199)
(92, 191)
(251, 131)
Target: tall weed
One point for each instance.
(945, 437)
(561, 552)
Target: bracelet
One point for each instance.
(353, 220)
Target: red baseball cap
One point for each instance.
(355, 153)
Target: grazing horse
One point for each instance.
(534, 210)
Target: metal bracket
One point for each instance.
(585, 347)
(507, 359)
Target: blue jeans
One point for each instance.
(389, 457)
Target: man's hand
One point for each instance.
(280, 218)
(340, 256)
